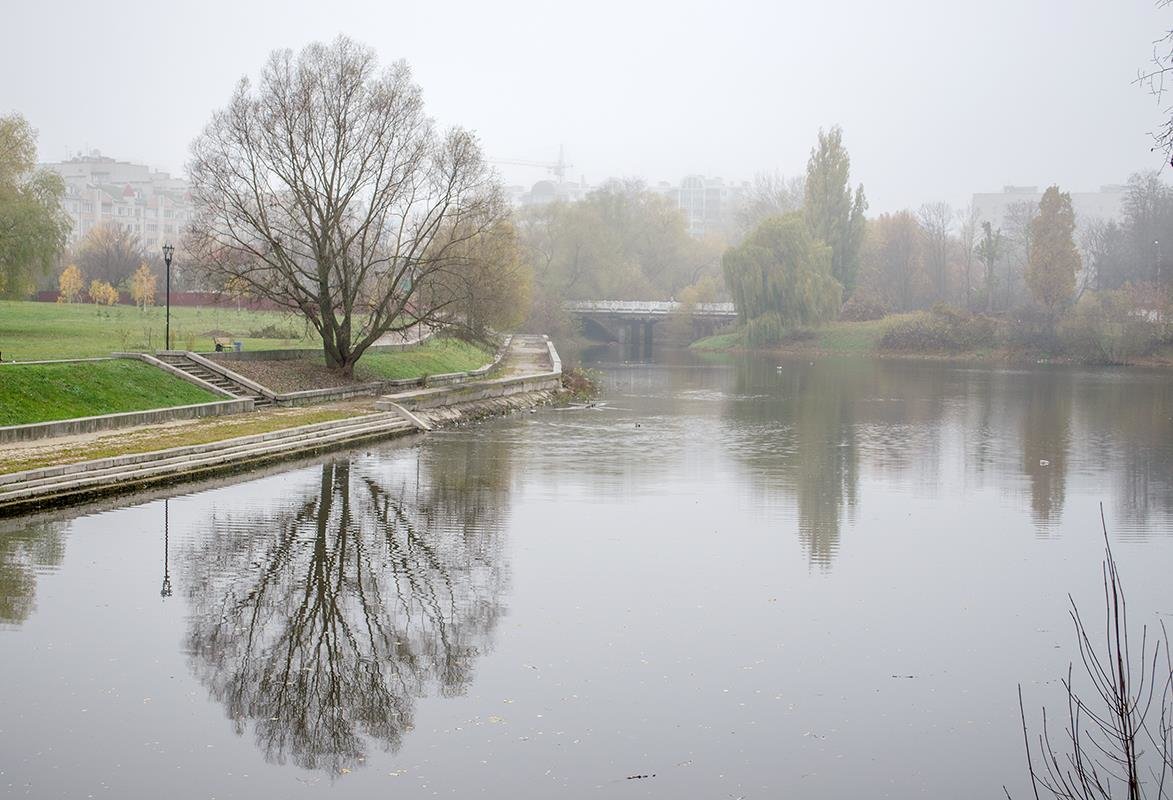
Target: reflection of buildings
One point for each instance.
(101, 191)
(320, 624)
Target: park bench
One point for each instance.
(222, 344)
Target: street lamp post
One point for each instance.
(167, 251)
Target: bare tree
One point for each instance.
(1094, 238)
(936, 219)
(967, 230)
(110, 253)
(1153, 78)
(1016, 222)
(989, 250)
(772, 195)
(1117, 740)
(327, 190)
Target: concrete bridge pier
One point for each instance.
(636, 337)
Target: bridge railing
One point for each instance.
(648, 308)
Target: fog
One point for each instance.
(937, 99)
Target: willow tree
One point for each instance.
(33, 225)
(327, 190)
(780, 278)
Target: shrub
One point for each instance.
(861, 308)
(1105, 328)
(1033, 329)
(942, 329)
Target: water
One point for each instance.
(734, 580)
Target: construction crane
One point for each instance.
(557, 168)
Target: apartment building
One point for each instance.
(104, 191)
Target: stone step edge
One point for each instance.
(191, 449)
(86, 481)
(101, 472)
(10, 507)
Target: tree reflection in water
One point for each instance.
(322, 623)
(1046, 440)
(803, 443)
(24, 553)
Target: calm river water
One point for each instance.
(823, 580)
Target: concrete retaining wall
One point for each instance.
(481, 390)
(178, 373)
(56, 361)
(69, 427)
(303, 353)
(311, 396)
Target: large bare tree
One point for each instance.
(327, 190)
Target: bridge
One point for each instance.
(630, 322)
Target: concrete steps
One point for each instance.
(103, 476)
(192, 367)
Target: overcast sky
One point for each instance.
(938, 99)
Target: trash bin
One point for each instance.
(238, 346)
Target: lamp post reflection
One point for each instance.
(166, 590)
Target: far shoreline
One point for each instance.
(860, 340)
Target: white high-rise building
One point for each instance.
(1106, 204)
(102, 191)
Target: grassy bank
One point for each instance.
(433, 357)
(838, 338)
(45, 392)
(31, 331)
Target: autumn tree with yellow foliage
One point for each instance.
(142, 286)
(1050, 272)
(70, 284)
(102, 293)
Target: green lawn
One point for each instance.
(45, 392)
(30, 331)
(854, 338)
(433, 357)
(722, 341)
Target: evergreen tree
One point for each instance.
(1050, 273)
(833, 213)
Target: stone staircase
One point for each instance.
(218, 376)
(21, 491)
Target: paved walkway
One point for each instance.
(528, 354)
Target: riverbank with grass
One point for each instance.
(47, 392)
(69, 469)
(838, 338)
(950, 335)
(436, 356)
(33, 331)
